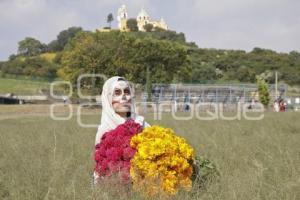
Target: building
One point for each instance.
(122, 18)
(142, 19)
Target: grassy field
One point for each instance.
(21, 87)
(45, 159)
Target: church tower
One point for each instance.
(142, 19)
(122, 18)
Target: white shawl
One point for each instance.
(109, 118)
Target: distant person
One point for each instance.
(282, 106)
(64, 99)
(186, 103)
(276, 106)
(252, 104)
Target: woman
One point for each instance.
(117, 107)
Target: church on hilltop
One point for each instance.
(143, 18)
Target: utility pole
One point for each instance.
(148, 84)
(93, 84)
(276, 84)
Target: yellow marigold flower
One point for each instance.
(162, 161)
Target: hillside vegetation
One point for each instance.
(165, 56)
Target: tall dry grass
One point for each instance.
(45, 159)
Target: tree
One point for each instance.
(30, 47)
(12, 57)
(158, 29)
(30, 66)
(53, 46)
(171, 35)
(263, 92)
(148, 27)
(244, 74)
(124, 54)
(132, 25)
(110, 18)
(166, 60)
(62, 38)
(295, 54)
(203, 73)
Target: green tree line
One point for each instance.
(166, 55)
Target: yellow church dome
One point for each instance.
(143, 15)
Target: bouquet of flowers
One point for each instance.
(113, 153)
(162, 163)
(155, 160)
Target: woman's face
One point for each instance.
(121, 99)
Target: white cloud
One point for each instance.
(241, 24)
(231, 24)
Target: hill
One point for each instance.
(165, 55)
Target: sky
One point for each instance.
(221, 24)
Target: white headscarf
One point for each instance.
(109, 118)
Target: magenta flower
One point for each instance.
(113, 153)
